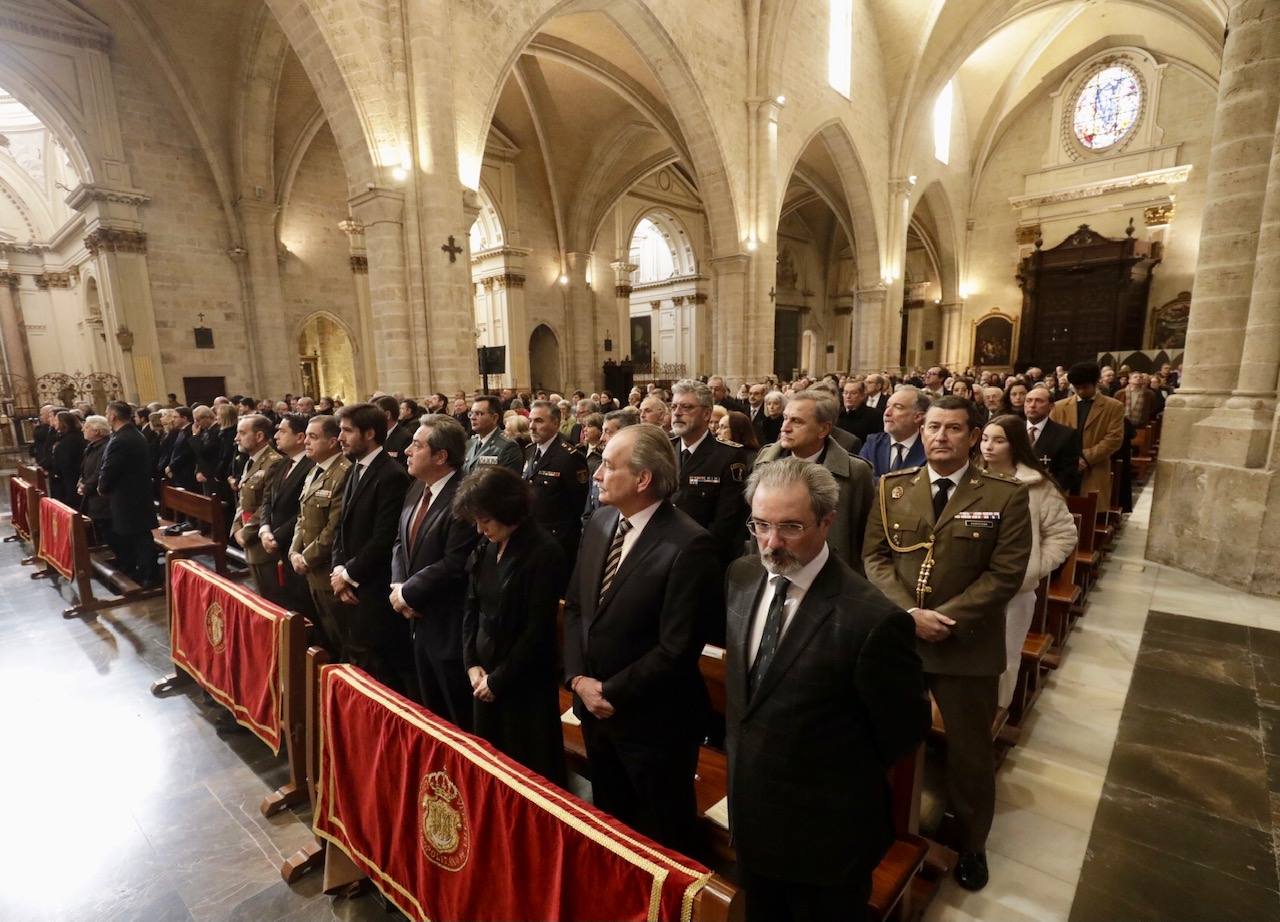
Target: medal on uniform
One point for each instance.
(897, 492)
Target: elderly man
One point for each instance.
(488, 445)
(935, 382)
(755, 409)
(899, 445)
(1100, 421)
(646, 581)
(824, 692)
(581, 410)
(253, 435)
(96, 506)
(1139, 400)
(855, 416)
(876, 386)
(656, 413)
(721, 397)
(429, 567)
(806, 434)
(1056, 445)
(557, 471)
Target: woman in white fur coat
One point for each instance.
(1006, 449)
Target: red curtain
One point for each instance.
(449, 828)
(18, 506)
(228, 640)
(55, 536)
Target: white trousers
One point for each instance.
(1017, 621)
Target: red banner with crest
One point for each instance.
(450, 828)
(228, 639)
(18, 507)
(56, 521)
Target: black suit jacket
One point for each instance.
(710, 493)
(94, 505)
(1059, 448)
(125, 479)
(843, 699)
(279, 509)
(644, 638)
(433, 568)
(398, 440)
(363, 542)
(862, 422)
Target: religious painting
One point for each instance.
(310, 369)
(642, 340)
(993, 341)
(1169, 323)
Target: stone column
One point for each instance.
(268, 330)
(1236, 189)
(622, 306)
(381, 211)
(952, 344)
(729, 275)
(366, 369)
(868, 345)
(125, 282)
(13, 332)
(655, 335)
(842, 330)
(580, 324)
(508, 289)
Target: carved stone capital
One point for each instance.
(655, 304)
(360, 265)
(351, 227)
(509, 280)
(47, 280)
(1158, 215)
(115, 240)
(678, 300)
(622, 291)
(1027, 234)
(12, 279)
(699, 297)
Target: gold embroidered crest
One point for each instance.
(896, 492)
(446, 835)
(215, 627)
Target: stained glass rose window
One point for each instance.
(1107, 107)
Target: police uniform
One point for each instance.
(967, 564)
(498, 449)
(320, 509)
(254, 484)
(559, 480)
(710, 492)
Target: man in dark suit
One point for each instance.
(399, 431)
(278, 514)
(429, 567)
(855, 416)
(1058, 446)
(711, 473)
(558, 473)
(899, 445)
(375, 638)
(645, 582)
(824, 691)
(755, 409)
(180, 471)
(125, 479)
(720, 395)
(43, 437)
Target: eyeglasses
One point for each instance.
(784, 529)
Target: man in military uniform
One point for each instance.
(950, 544)
(311, 552)
(253, 434)
(558, 474)
(488, 445)
(712, 473)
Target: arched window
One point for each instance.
(840, 46)
(486, 232)
(1107, 107)
(652, 251)
(942, 123)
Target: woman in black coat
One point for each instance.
(92, 503)
(68, 452)
(509, 644)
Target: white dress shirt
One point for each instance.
(694, 447)
(638, 522)
(801, 580)
(956, 479)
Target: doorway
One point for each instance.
(326, 360)
(544, 359)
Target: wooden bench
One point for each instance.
(32, 494)
(1035, 650)
(891, 885)
(177, 503)
(1088, 558)
(1064, 597)
(1143, 456)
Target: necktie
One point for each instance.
(685, 455)
(614, 560)
(1034, 432)
(419, 517)
(940, 498)
(772, 634)
(899, 453)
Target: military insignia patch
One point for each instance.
(896, 492)
(739, 471)
(446, 834)
(215, 627)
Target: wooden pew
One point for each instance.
(82, 564)
(291, 658)
(1088, 558)
(1143, 458)
(717, 901)
(176, 503)
(19, 515)
(33, 494)
(1035, 650)
(33, 475)
(1064, 597)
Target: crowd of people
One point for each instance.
(855, 543)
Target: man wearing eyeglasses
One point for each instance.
(824, 692)
(487, 444)
(950, 544)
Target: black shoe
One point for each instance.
(971, 870)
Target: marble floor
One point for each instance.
(124, 806)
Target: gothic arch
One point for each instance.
(28, 86)
(256, 107)
(683, 254)
(942, 235)
(653, 45)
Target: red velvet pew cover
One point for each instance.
(18, 506)
(55, 536)
(228, 639)
(449, 828)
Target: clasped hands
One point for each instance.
(342, 589)
(591, 691)
(400, 605)
(931, 625)
(480, 684)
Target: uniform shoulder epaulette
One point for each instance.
(996, 475)
(573, 449)
(901, 472)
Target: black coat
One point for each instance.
(770, 429)
(710, 493)
(94, 504)
(125, 479)
(398, 439)
(644, 638)
(559, 481)
(434, 568)
(42, 439)
(182, 462)
(64, 471)
(363, 542)
(808, 753)
(1058, 447)
(862, 422)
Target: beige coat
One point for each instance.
(1053, 530)
(1102, 436)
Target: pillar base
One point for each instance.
(1237, 433)
(1218, 521)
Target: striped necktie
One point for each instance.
(614, 559)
